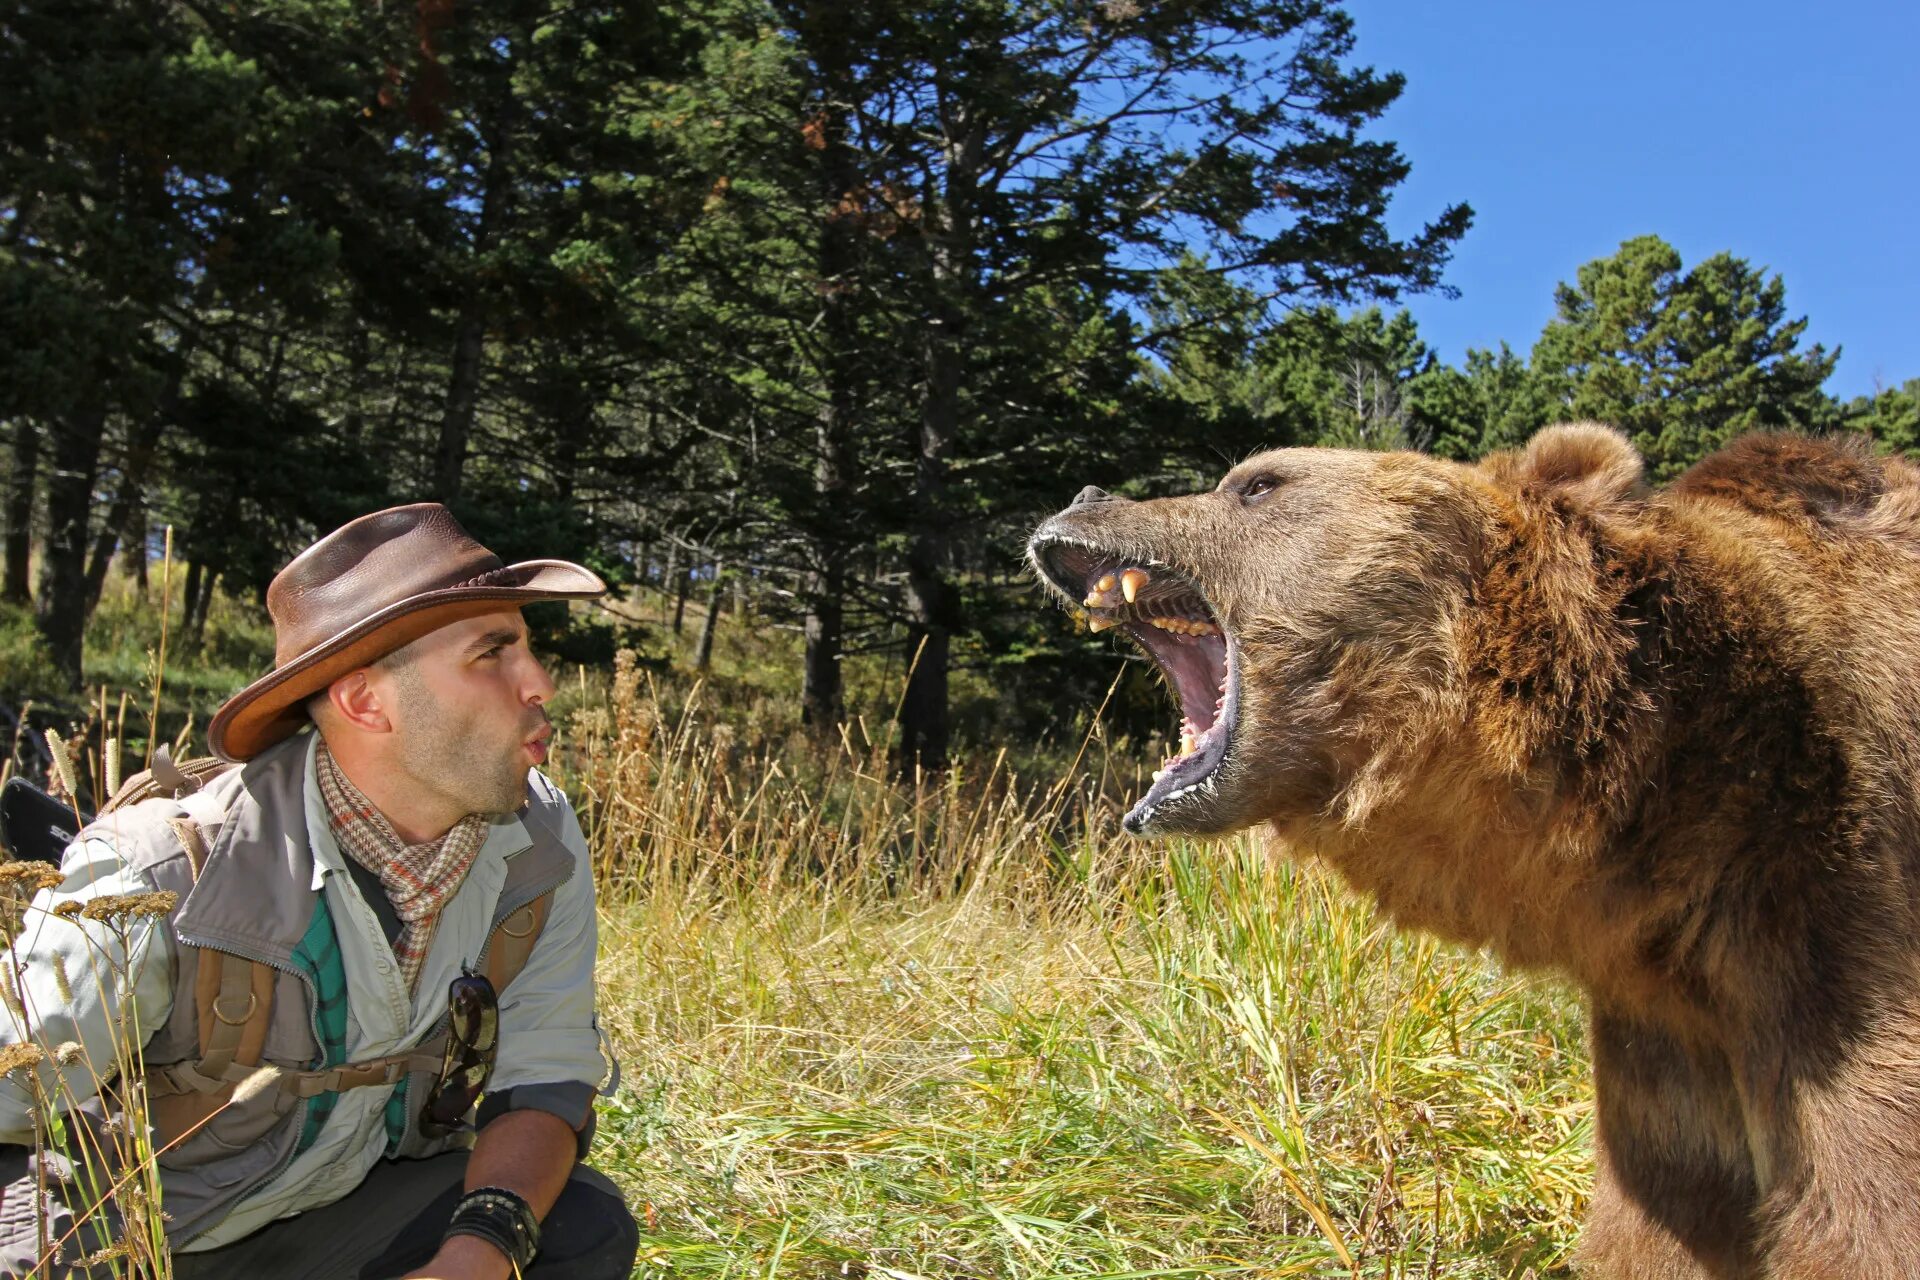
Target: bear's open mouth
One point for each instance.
(1164, 612)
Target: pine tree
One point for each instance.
(1680, 360)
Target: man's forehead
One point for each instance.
(503, 627)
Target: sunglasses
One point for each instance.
(473, 1041)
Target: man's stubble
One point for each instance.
(447, 750)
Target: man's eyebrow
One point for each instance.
(501, 636)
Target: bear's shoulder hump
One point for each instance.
(1792, 476)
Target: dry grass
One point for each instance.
(970, 1030)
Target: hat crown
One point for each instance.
(367, 565)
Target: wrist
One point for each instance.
(473, 1258)
(500, 1220)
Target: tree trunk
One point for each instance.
(133, 544)
(106, 540)
(667, 575)
(564, 465)
(20, 487)
(202, 604)
(703, 651)
(62, 616)
(821, 708)
(681, 585)
(469, 342)
(933, 605)
(131, 496)
(822, 701)
(353, 423)
(189, 594)
(463, 397)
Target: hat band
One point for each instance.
(489, 578)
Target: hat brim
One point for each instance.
(275, 705)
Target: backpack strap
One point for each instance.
(367, 1072)
(234, 1000)
(166, 777)
(512, 941)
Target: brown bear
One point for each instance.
(1665, 742)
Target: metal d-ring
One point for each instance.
(531, 915)
(253, 1002)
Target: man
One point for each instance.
(319, 1007)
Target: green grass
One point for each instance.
(1225, 1067)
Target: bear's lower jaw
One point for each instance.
(1165, 612)
(1187, 797)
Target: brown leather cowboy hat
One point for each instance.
(365, 590)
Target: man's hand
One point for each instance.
(529, 1153)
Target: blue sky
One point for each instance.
(1786, 134)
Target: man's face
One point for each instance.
(467, 707)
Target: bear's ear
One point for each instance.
(1590, 463)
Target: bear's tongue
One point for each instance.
(1196, 672)
(1167, 617)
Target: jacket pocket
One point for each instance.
(203, 1128)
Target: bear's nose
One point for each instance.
(1092, 493)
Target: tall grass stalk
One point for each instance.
(160, 658)
(102, 1157)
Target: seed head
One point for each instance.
(116, 905)
(18, 1057)
(30, 877)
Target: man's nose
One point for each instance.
(540, 688)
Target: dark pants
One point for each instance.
(392, 1223)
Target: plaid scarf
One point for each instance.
(419, 878)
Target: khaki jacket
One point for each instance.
(270, 857)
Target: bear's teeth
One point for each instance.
(1095, 600)
(1099, 622)
(1105, 583)
(1131, 581)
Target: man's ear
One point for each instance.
(357, 703)
(1589, 463)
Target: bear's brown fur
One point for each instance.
(1664, 742)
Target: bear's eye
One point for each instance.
(1258, 487)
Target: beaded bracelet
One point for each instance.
(501, 1218)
